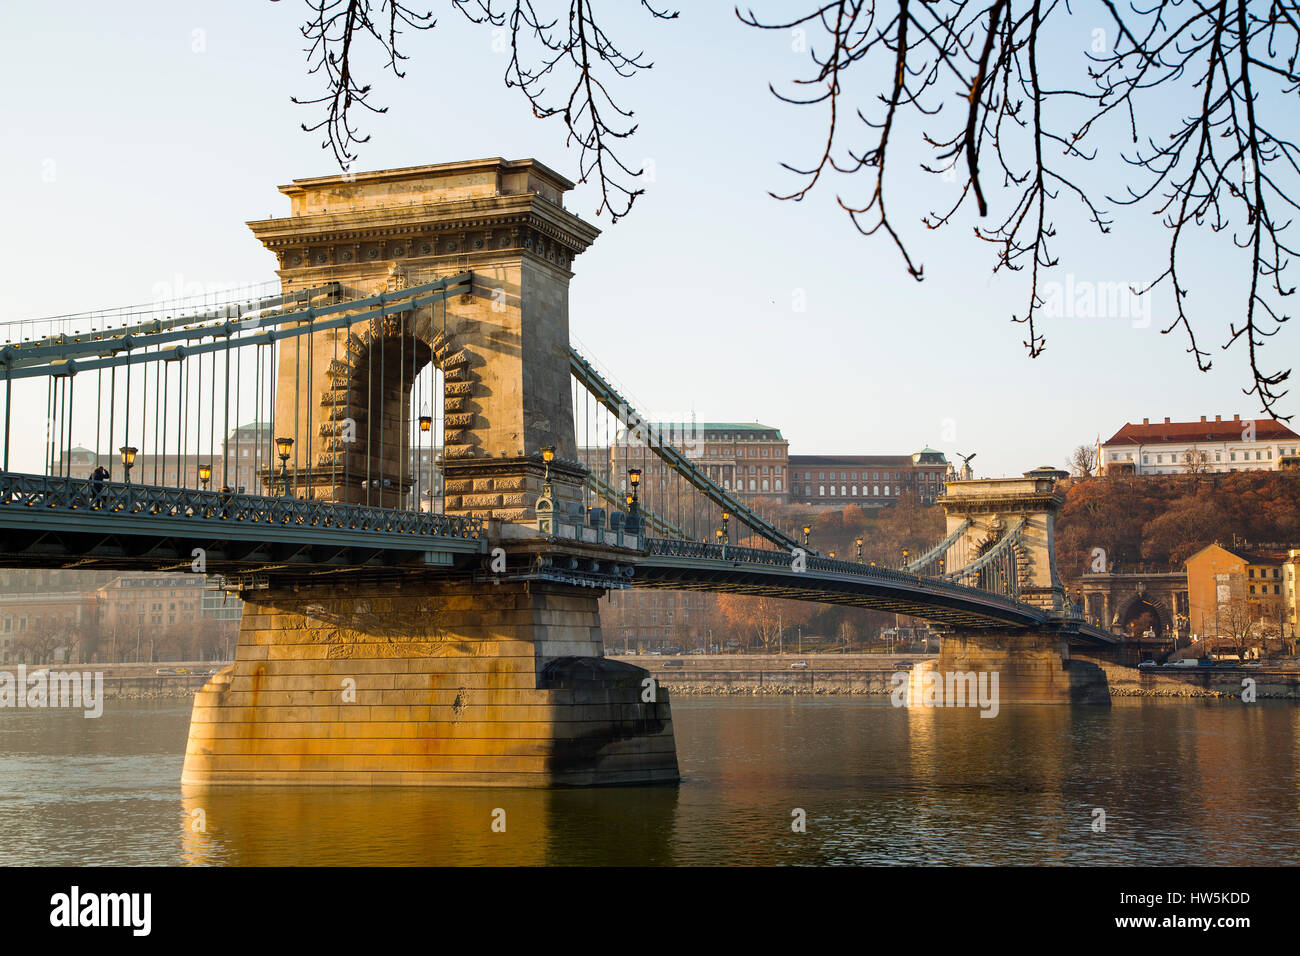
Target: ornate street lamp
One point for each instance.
(426, 425)
(205, 475)
(726, 530)
(544, 507)
(283, 446)
(548, 456)
(128, 453)
(858, 542)
(633, 523)
(807, 530)
(905, 554)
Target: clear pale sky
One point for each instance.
(135, 148)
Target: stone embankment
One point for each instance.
(856, 674)
(1270, 681)
(140, 681)
(871, 675)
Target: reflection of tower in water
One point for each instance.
(428, 826)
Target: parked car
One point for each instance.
(165, 670)
(799, 664)
(1148, 663)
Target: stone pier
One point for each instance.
(1031, 668)
(451, 685)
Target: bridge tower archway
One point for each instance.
(502, 348)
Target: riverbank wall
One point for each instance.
(872, 675)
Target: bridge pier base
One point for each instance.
(1031, 667)
(430, 685)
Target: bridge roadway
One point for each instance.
(60, 522)
(685, 566)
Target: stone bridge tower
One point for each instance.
(1032, 665)
(474, 675)
(344, 395)
(993, 506)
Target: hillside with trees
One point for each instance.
(1161, 520)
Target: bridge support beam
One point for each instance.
(1032, 667)
(448, 685)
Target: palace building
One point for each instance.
(867, 480)
(1168, 448)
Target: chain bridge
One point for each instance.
(421, 529)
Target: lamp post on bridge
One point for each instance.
(905, 554)
(858, 542)
(128, 453)
(807, 529)
(283, 445)
(426, 425)
(633, 523)
(205, 475)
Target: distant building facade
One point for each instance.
(751, 460)
(46, 615)
(1229, 584)
(871, 481)
(1169, 448)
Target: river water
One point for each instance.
(1179, 781)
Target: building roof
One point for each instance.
(1266, 429)
(1255, 554)
(715, 427)
(850, 461)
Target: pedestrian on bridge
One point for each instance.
(97, 479)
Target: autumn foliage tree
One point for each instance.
(1163, 519)
(761, 619)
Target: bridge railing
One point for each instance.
(85, 495)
